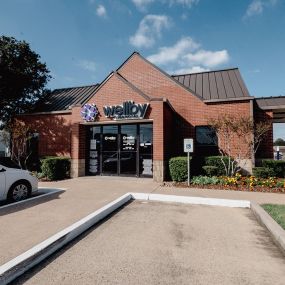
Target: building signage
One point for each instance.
(129, 110)
(89, 112)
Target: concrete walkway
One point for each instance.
(24, 226)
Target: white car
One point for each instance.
(16, 184)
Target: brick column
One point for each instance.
(78, 150)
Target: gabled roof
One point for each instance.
(271, 103)
(218, 85)
(63, 99)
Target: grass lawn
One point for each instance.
(277, 212)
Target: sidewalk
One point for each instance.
(26, 226)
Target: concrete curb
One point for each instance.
(47, 192)
(277, 233)
(192, 200)
(17, 266)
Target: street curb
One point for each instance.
(275, 230)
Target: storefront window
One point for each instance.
(94, 150)
(145, 149)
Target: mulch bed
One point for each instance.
(223, 187)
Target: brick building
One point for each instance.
(137, 118)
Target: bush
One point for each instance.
(263, 172)
(55, 168)
(210, 170)
(278, 166)
(205, 180)
(217, 162)
(178, 168)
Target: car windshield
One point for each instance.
(7, 162)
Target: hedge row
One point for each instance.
(55, 168)
(270, 168)
(178, 168)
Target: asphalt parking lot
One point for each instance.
(162, 243)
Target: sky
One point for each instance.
(82, 41)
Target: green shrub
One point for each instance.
(278, 166)
(210, 170)
(178, 168)
(205, 180)
(55, 168)
(263, 172)
(217, 161)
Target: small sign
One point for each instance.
(188, 145)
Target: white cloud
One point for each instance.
(149, 30)
(142, 4)
(170, 54)
(185, 3)
(208, 58)
(88, 65)
(187, 56)
(193, 69)
(101, 11)
(256, 7)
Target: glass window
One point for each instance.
(129, 137)
(146, 138)
(206, 136)
(110, 138)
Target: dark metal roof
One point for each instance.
(62, 99)
(224, 84)
(268, 103)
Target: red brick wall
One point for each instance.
(190, 110)
(54, 132)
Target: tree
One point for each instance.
(22, 78)
(239, 139)
(279, 142)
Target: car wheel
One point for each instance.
(19, 191)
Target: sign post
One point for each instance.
(188, 147)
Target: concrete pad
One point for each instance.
(28, 226)
(154, 243)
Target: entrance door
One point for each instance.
(128, 150)
(110, 152)
(120, 150)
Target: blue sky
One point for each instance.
(82, 41)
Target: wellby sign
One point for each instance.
(129, 110)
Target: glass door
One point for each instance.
(145, 150)
(128, 150)
(110, 150)
(94, 150)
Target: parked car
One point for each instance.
(15, 184)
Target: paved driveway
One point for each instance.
(23, 227)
